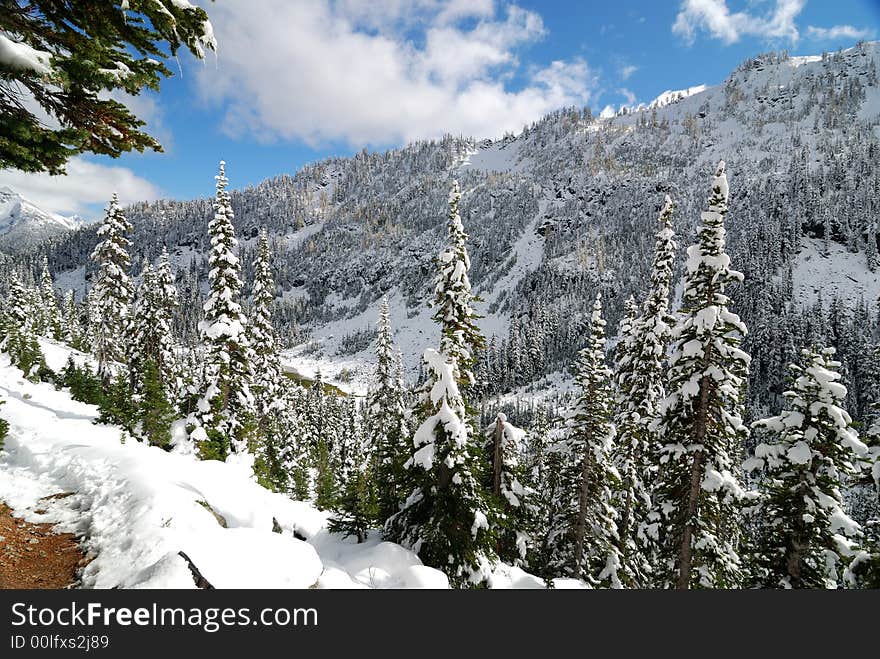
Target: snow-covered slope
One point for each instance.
(564, 207)
(138, 507)
(673, 96)
(23, 224)
(830, 269)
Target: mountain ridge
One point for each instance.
(563, 209)
(24, 225)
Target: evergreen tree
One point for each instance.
(17, 334)
(84, 385)
(155, 412)
(280, 461)
(71, 326)
(261, 333)
(553, 505)
(117, 405)
(225, 415)
(150, 357)
(112, 290)
(640, 379)
(460, 337)
(695, 516)
(51, 317)
(388, 430)
(446, 519)
(167, 355)
(514, 500)
(804, 537)
(590, 550)
(77, 56)
(356, 505)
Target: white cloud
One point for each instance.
(839, 32)
(627, 70)
(146, 107)
(715, 17)
(384, 72)
(628, 95)
(86, 185)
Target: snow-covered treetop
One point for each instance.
(445, 385)
(815, 401)
(596, 320)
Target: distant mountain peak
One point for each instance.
(23, 224)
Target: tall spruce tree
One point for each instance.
(50, 314)
(591, 548)
(356, 503)
(446, 518)
(804, 537)
(261, 332)
(71, 325)
(389, 435)
(460, 337)
(112, 290)
(640, 379)
(151, 359)
(696, 504)
(17, 333)
(514, 500)
(225, 412)
(444, 474)
(280, 461)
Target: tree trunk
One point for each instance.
(497, 457)
(686, 553)
(798, 544)
(580, 526)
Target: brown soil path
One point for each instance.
(35, 556)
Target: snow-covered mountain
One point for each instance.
(23, 224)
(564, 208)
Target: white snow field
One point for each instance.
(138, 506)
(832, 270)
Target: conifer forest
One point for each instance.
(637, 349)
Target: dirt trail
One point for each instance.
(35, 556)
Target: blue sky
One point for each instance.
(297, 80)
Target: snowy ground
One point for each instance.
(137, 507)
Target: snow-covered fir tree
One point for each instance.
(50, 315)
(446, 518)
(640, 378)
(18, 336)
(71, 324)
(552, 506)
(356, 505)
(112, 291)
(151, 358)
(696, 502)
(633, 453)
(261, 333)
(804, 538)
(515, 501)
(443, 476)
(589, 550)
(389, 435)
(453, 311)
(280, 461)
(225, 418)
